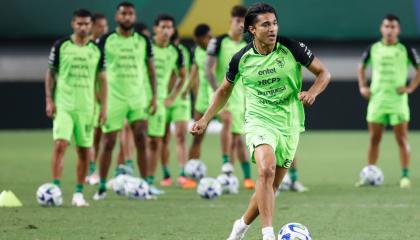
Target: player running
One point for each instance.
(75, 65)
(179, 113)
(220, 50)
(388, 91)
(168, 60)
(127, 56)
(270, 69)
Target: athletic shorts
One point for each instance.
(157, 123)
(97, 112)
(179, 112)
(203, 100)
(376, 116)
(80, 125)
(284, 146)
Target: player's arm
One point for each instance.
(361, 75)
(179, 84)
(414, 59)
(211, 61)
(50, 77)
(151, 70)
(102, 93)
(194, 81)
(323, 78)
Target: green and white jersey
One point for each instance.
(126, 59)
(76, 68)
(389, 72)
(272, 83)
(167, 59)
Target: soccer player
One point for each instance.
(99, 28)
(388, 92)
(168, 60)
(75, 65)
(220, 50)
(179, 113)
(127, 56)
(270, 69)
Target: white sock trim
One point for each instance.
(268, 231)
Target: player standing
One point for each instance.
(388, 92)
(75, 64)
(270, 69)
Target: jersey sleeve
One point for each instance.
(302, 53)
(149, 51)
(54, 57)
(413, 56)
(213, 49)
(232, 74)
(366, 56)
(101, 63)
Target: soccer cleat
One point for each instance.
(237, 233)
(405, 182)
(227, 168)
(249, 184)
(298, 187)
(153, 190)
(78, 200)
(189, 184)
(181, 180)
(272, 237)
(166, 182)
(92, 179)
(99, 195)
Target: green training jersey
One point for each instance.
(126, 59)
(389, 72)
(187, 56)
(76, 68)
(167, 59)
(199, 59)
(272, 83)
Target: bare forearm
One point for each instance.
(219, 100)
(211, 63)
(361, 77)
(321, 82)
(152, 76)
(416, 82)
(49, 84)
(103, 89)
(179, 84)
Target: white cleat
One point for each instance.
(92, 179)
(99, 196)
(405, 183)
(154, 191)
(298, 187)
(269, 238)
(78, 200)
(227, 168)
(237, 233)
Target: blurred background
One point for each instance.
(337, 32)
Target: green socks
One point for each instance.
(405, 172)
(246, 168)
(79, 188)
(129, 163)
(225, 158)
(181, 171)
(102, 184)
(92, 167)
(293, 174)
(150, 180)
(166, 173)
(56, 182)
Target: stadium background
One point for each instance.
(337, 31)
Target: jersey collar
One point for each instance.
(256, 50)
(119, 33)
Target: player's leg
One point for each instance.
(57, 164)
(296, 186)
(105, 157)
(195, 149)
(129, 147)
(226, 137)
(401, 136)
(244, 161)
(83, 154)
(167, 180)
(139, 130)
(93, 177)
(375, 132)
(155, 152)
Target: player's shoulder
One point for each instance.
(101, 40)
(59, 42)
(141, 36)
(215, 43)
(243, 52)
(290, 43)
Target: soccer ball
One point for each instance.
(230, 183)
(294, 231)
(209, 188)
(371, 175)
(286, 184)
(137, 188)
(49, 194)
(118, 184)
(195, 169)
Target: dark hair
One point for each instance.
(140, 27)
(82, 13)
(238, 11)
(175, 36)
(201, 30)
(125, 4)
(254, 11)
(98, 16)
(164, 17)
(392, 17)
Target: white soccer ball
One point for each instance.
(49, 194)
(286, 184)
(118, 184)
(371, 175)
(195, 169)
(137, 188)
(209, 188)
(294, 231)
(230, 183)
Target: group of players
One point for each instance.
(146, 83)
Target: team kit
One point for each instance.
(130, 85)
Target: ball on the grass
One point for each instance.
(230, 183)
(372, 175)
(137, 188)
(195, 169)
(49, 194)
(209, 188)
(118, 184)
(294, 231)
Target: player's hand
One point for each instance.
(307, 98)
(365, 92)
(198, 127)
(403, 90)
(152, 106)
(169, 101)
(50, 108)
(103, 116)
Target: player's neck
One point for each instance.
(161, 42)
(80, 40)
(263, 49)
(235, 37)
(125, 32)
(390, 42)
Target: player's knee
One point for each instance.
(109, 143)
(267, 173)
(60, 146)
(375, 139)
(180, 138)
(153, 144)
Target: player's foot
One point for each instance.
(78, 200)
(188, 184)
(92, 179)
(360, 183)
(272, 237)
(153, 190)
(227, 168)
(99, 195)
(405, 182)
(249, 184)
(298, 187)
(238, 231)
(166, 182)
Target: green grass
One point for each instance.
(329, 164)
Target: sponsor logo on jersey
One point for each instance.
(267, 71)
